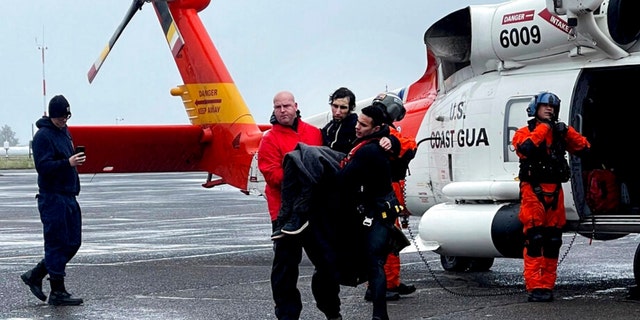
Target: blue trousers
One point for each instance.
(62, 229)
(377, 251)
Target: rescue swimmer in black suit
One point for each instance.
(365, 180)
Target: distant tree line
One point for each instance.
(8, 135)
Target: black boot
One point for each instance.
(276, 226)
(389, 296)
(296, 224)
(540, 295)
(403, 289)
(298, 218)
(33, 278)
(59, 295)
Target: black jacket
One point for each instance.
(52, 148)
(367, 173)
(337, 226)
(340, 135)
(313, 162)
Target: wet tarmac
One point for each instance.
(159, 246)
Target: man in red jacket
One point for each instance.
(288, 130)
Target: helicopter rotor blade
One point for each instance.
(136, 5)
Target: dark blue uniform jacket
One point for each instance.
(52, 148)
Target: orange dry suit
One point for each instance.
(399, 164)
(541, 148)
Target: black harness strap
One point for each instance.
(537, 189)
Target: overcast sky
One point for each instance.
(308, 47)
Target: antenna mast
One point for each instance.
(42, 48)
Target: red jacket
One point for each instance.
(274, 145)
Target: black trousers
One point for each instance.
(284, 272)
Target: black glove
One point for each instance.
(560, 127)
(404, 220)
(550, 122)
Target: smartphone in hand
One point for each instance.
(79, 149)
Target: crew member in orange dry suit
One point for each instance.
(541, 146)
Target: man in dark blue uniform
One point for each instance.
(58, 186)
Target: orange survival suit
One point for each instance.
(399, 165)
(541, 147)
